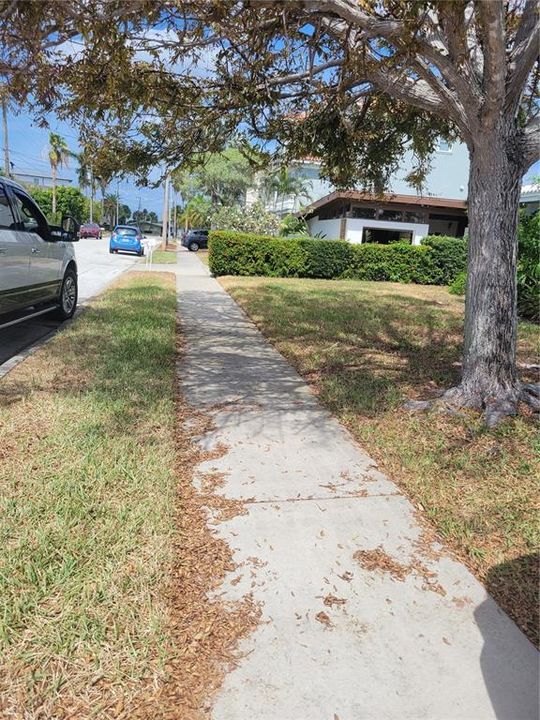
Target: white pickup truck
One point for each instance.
(38, 272)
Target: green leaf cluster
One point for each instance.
(69, 201)
(528, 270)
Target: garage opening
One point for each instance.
(386, 237)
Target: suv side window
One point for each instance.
(7, 221)
(32, 218)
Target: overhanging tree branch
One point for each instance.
(522, 58)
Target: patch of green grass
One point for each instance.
(203, 256)
(365, 347)
(164, 257)
(87, 497)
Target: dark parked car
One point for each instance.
(195, 240)
(90, 230)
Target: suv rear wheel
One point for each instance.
(68, 296)
(193, 246)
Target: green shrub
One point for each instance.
(254, 219)
(326, 258)
(528, 269)
(398, 262)
(448, 257)
(236, 253)
(69, 201)
(459, 284)
(293, 225)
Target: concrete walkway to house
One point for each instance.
(340, 637)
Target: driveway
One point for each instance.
(97, 268)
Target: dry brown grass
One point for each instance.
(204, 630)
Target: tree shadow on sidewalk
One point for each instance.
(506, 581)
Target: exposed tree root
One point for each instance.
(495, 407)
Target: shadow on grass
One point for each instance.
(365, 353)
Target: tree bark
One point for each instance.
(490, 377)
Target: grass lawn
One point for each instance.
(87, 503)
(203, 256)
(164, 257)
(364, 348)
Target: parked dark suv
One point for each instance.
(195, 240)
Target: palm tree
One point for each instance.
(103, 183)
(196, 213)
(284, 184)
(59, 155)
(109, 208)
(86, 178)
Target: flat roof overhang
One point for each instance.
(338, 197)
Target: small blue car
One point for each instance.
(126, 238)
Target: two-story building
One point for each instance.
(398, 214)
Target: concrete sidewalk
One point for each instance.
(336, 640)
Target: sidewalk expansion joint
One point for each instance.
(352, 496)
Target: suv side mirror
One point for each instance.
(70, 229)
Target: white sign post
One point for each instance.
(150, 244)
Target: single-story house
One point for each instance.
(530, 199)
(361, 217)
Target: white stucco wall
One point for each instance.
(327, 228)
(355, 228)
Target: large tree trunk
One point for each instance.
(489, 359)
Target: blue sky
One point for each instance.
(28, 151)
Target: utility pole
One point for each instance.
(175, 226)
(165, 214)
(92, 195)
(7, 165)
(171, 204)
(117, 198)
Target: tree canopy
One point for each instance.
(224, 177)
(354, 82)
(351, 82)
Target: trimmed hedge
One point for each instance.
(437, 261)
(398, 262)
(449, 257)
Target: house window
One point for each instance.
(444, 146)
(385, 237)
(391, 215)
(362, 212)
(412, 217)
